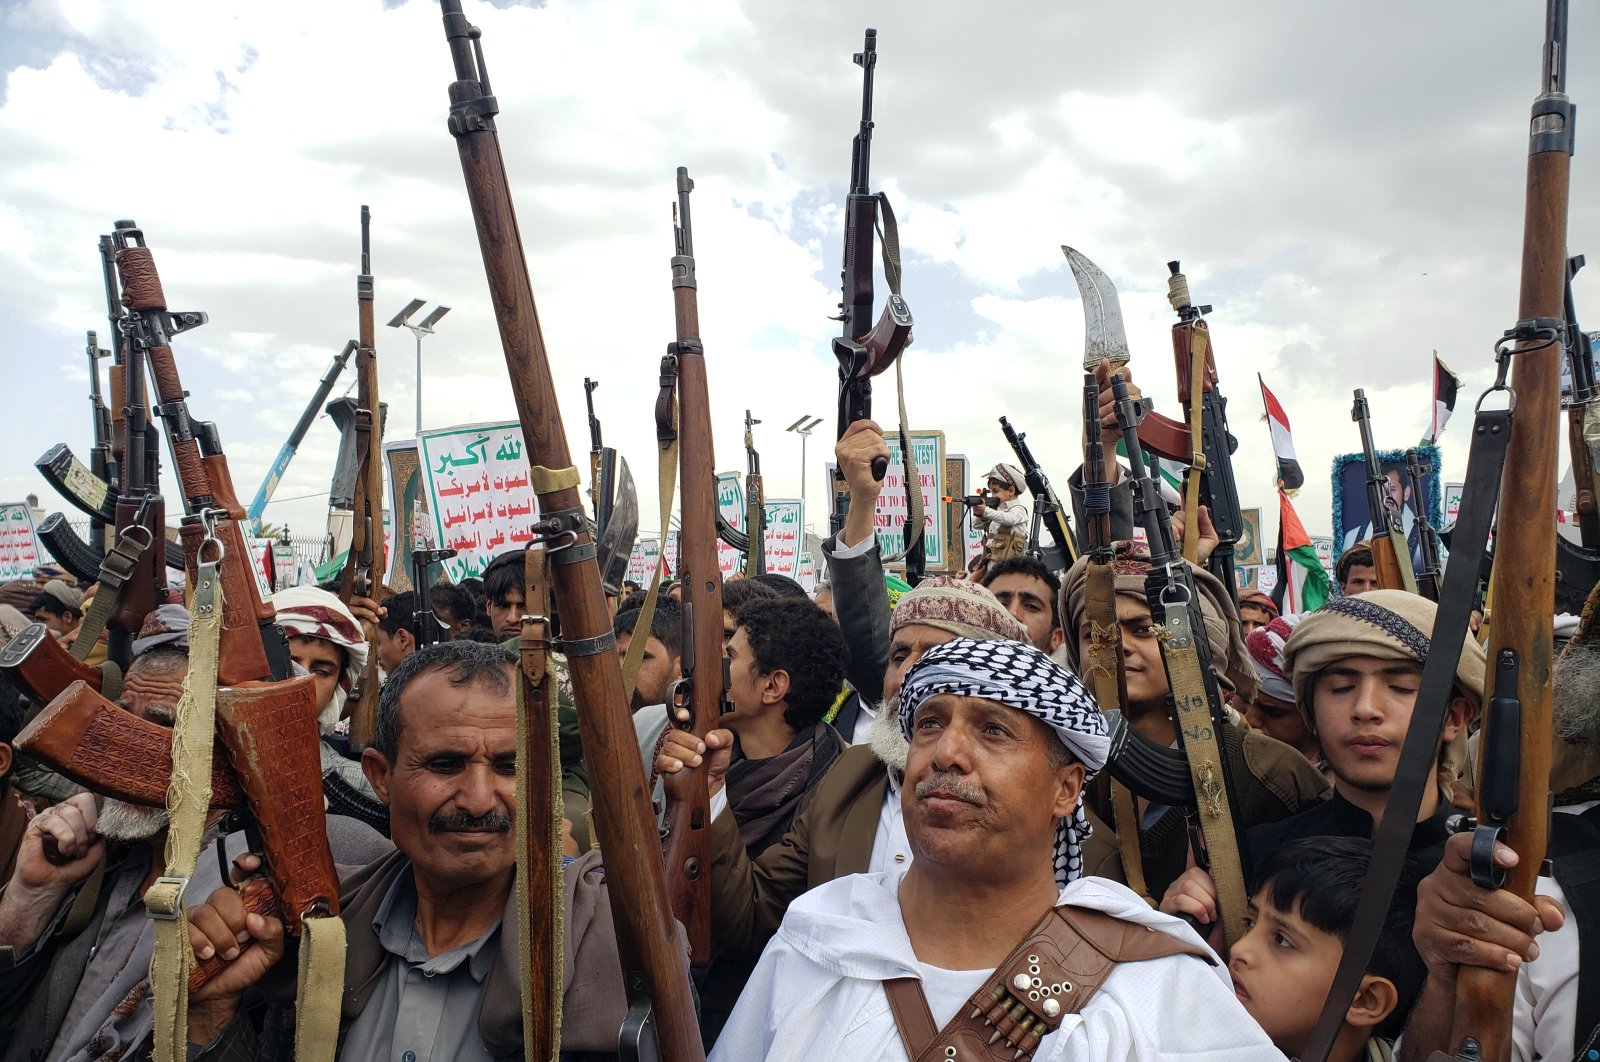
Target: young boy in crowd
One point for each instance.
(1301, 912)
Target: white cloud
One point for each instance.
(1347, 208)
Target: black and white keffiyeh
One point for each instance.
(1019, 676)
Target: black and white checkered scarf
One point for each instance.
(1019, 676)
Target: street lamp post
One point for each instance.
(803, 428)
(403, 320)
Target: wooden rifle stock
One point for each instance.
(646, 935)
(363, 568)
(1524, 572)
(688, 841)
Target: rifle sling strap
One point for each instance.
(667, 477)
(889, 241)
(188, 797)
(1202, 750)
(1491, 431)
(116, 568)
(538, 821)
(1054, 972)
(1126, 811)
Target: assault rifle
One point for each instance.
(426, 628)
(688, 815)
(363, 565)
(280, 464)
(1047, 508)
(864, 349)
(1199, 713)
(100, 460)
(1391, 553)
(755, 503)
(1428, 577)
(652, 966)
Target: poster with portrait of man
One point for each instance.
(1352, 521)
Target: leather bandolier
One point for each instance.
(1054, 972)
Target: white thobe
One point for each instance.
(1546, 1003)
(818, 991)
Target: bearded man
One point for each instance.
(993, 932)
(75, 939)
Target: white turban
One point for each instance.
(310, 612)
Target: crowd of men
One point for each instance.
(914, 854)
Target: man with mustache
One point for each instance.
(854, 822)
(993, 931)
(432, 967)
(75, 939)
(1356, 664)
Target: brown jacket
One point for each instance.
(13, 823)
(832, 837)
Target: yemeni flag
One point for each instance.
(1445, 386)
(1290, 477)
(1303, 584)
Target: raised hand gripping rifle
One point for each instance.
(1210, 459)
(1047, 508)
(652, 967)
(1391, 553)
(1199, 712)
(363, 566)
(1514, 776)
(755, 503)
(863, 349)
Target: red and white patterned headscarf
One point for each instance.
(310, 612)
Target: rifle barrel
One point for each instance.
(623, 818)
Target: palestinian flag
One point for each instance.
(1303, 584)
(1445, 386)
(1290, 477)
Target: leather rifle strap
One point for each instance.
(1202, 751)
(538, 822)
(667, 478)
(1491, 431)
(1053, 972)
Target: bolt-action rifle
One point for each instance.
(363, 566)
(862, 348)
(1513, 789)
(1047, 508)
(755, 503)
(652, 966)
(1391, 553)
(688, 815)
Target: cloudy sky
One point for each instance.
(1343, 181)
